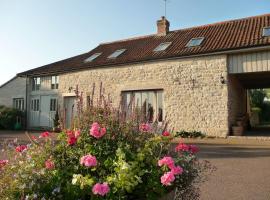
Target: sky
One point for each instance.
(34, 33)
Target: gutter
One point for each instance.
(229, 51)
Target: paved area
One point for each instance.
(243, 167)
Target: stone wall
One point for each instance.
(194, 97)
(15, 88)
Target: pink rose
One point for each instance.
(21, 148)
(101, 189)
(96, 131)
(177, 170)
(77, 133)
(71, 140)
(88, 161)
(44, 135)
(3, 163)
(193, 148)
(49, 164)
(145, 127)
(166, 133)
(167, 161)
(181, 147)
(167, 178)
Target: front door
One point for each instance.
(70, 110)
(45, 111)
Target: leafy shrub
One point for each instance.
(189, 134)
(9, 118)
(105, 156)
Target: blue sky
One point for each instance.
(35, 32)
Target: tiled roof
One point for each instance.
(218, 37)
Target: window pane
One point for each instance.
(138, 99)
(160, 106)
(151, 106)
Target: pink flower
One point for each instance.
(181, 147)
(88, 161)
(34, 138)
(49, 164)
(77, 133)
(21, 148)
(177, 170)
(166, 133)
(71, 140)
(167, 161)
(145, 127)
(101, 189)
(193, 148)
(44, 135)
(3, 163)
(167, 178)
(96, 131)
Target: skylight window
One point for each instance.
(266, 31)
(162, 46)
(93, 57)
(195, 42)
(117, 53)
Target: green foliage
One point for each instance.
(189, 134)
(11, 118)
(257, 97)
(127, 159)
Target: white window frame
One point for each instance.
(18, 103)
(162, 47)
(53, 104)
(35, 105)
(54, 82)
(92, 57)
(36, 83)
(116, 53)
(266, 31)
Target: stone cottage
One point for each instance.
(197, 77)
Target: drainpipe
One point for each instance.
(26, 103)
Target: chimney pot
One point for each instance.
(163, 26)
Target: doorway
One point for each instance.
(70, 111)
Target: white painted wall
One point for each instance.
(15, 88)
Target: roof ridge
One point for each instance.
(129, 39)
(221, 22)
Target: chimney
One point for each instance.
(163, 26)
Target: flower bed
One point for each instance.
(103, 157)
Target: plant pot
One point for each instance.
(237, 130)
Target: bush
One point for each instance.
(190, 134)
(106, 156)
(10, 117)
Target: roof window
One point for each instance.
(266, 31)
(93, 57)
(195, 42)
(117, 53)
(162, 46)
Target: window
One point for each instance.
(117, 53)
(150, 103)
(35, 104)
(36, 83)
(55, 82)
(266, 31)
(195, 42)
(18, 103)
(93, 57)
(53, 105)
(162, 46)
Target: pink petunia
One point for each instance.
(166, 133)
(21, 148)
(45, 135)
(145, 127)
(177, 170)
(167, 178)
(49, 164)
(101, 189)
(167, 161)
(77, 133)
(96, 131)
(88, 161)
(3, 163)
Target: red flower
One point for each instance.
(193, 148)
(34, 138)
(166, 133)
(21, 148)
(44, 135)
(3, 163)
(71, 140)
(181, 147)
